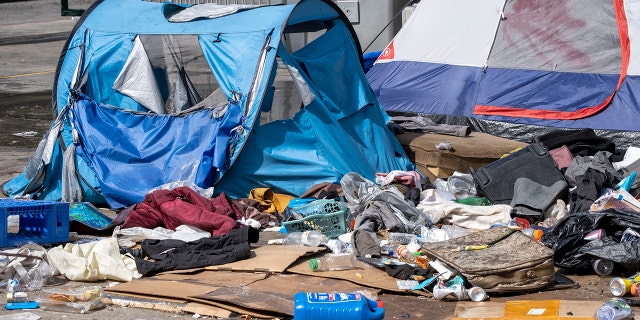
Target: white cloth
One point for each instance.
(130, 236)
(93, 261)
(466, 216)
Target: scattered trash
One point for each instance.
(622, 286)
(26, 134)
(306, 238)
(78, 300)
(445, 145)
(334, 261)
(614, 309)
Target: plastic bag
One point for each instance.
(28, 264)
(75, 300)
(359, 192)
(572, 252)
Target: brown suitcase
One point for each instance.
(511, 261)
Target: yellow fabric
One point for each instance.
(270, 201)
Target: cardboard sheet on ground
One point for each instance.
(238, 310)
(214, 278)
(527, 309)
(182, 286)
(271, 258)
(274, 295)
(365, 275)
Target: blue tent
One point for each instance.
(150, 94)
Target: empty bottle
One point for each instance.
(405, 253)
(536, 234)
(475, 201)
(306, 238)
(333, 261)
(402, 238)
(614, 309)
(602, 267)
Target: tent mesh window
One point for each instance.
(168, 74)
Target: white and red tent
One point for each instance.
(560, 63)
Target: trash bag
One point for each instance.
(573, 252)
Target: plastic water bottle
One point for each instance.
(614, 309)
(602, 267)
(402, 238)
(405, 253)
(336, 305)
(536, 234)
(333, 261)
(306, 238)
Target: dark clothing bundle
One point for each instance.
(420, 123)
(182, 205)
(179, 255)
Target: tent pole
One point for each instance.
(387, 25)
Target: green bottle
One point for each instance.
(475, 201)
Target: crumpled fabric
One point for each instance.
(179, 255)
(323, 190)
(379, 215)
(130, 236)
(408, 178)
(531, 199)
(365, 244)
(359, 192)
(250, 210)
(599, 162)
(271, 202)
(183, 205)
(421, 123)
(466, 216)
(93, 261)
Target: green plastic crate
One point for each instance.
(330, 224)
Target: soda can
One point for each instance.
(620, 286)
(595, 235)
(477, 294)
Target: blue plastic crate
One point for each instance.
(39, 221)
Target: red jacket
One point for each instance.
(182, 205)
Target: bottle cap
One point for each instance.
(313, 264)
(634, 289)
(537, 234)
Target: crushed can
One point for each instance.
(336, 305)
